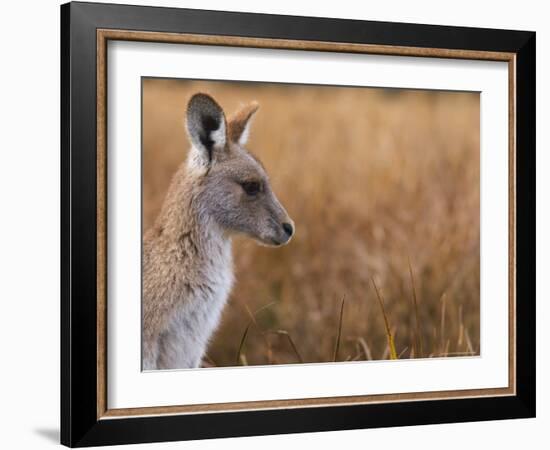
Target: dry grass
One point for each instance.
(373, 179)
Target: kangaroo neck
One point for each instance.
(184, 227)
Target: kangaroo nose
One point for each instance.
(288, 228)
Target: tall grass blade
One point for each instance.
(254, 322)
(291, 342)
(468, 341)
(460, 339)
(391, 343)
(241, 345)
(418, 337)
(339, 335)
(442, 323)
(366, 348)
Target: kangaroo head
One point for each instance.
(234, 188)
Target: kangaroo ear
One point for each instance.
(239, 123)
(207, 128)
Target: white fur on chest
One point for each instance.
(198, 314)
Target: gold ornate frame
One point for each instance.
(103, 36)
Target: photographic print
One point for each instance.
(292, 223)
(332, 217)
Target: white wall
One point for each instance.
(29, 224)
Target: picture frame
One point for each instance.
(86, 418)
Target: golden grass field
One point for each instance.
(373, 179)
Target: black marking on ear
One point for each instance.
(208, 125)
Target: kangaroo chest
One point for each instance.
(201, 299)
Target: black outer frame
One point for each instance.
(79, 423)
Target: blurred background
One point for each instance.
(383, 186)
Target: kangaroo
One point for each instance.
(221, 191)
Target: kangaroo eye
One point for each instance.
(251, 187)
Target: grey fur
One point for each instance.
(187, 261)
